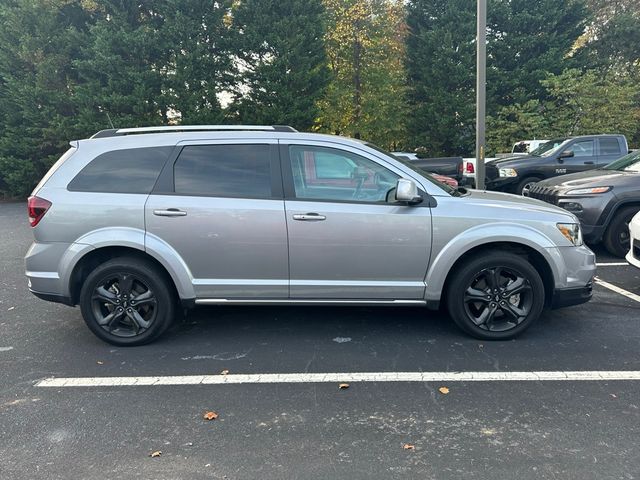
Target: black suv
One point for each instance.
(556, 157)
(604, 200)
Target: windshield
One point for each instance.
(548, 148)
(450, 190)
(628, 163)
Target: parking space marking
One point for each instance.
(589, 375)
(619, 290)
(612, 264)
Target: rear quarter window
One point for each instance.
(132, 170)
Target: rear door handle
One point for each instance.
(170, 212)
(309, 217)
(588, 163)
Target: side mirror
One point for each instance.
(407, 191)
(567, 154)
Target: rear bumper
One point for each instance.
(53, 297)
(566, 297)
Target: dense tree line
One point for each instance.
(400, 74)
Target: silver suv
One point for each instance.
(133, 224)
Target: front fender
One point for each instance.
(486, 234)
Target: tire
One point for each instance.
(127, 301)
(616, 238)
(471, 298)
(525, 183)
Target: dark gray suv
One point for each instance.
(604, 200)
(132, 223)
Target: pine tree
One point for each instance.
(38, 41)
(441, 76)
(366, 97)
(280, 59)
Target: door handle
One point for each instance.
(309, 217)
(170, 212)
(588, 163)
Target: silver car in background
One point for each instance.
(132, 224)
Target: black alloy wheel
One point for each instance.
(495, 296)
(127, 301)
(617, 239)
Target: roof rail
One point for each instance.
(117, 132)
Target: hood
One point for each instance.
(507, 200)
(595, 178)
(514, 161)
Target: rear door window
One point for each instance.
(224, 171)
(609, 146)
(131, 170)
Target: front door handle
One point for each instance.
(309, 217)
(170, 212)
(588, 163)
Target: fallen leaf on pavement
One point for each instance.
(210, 416)
(613, 395)
(342, 386)
(157, 453)
(224, 372)
(10, 308)
(409, 446)
(100, 363)
(443, 390)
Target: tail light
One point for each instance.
(461, 168)
(470, 168)
(37, 207)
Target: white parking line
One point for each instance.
(619, 290)
(613, 264)
(593, 375)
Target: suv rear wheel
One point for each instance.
(127, 301)
(495, 296)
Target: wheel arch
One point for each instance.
(537, 248)
(100, 246)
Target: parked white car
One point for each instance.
(633, 257)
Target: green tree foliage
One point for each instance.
(38, 41)
(197, 46)
(611, 40)
(526, 40)
(365, 50)
(441, 76)
(122, 67)
(280, 59)
(579, 103)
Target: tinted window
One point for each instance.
(331, 174)
(609, 146)
(583, 148)
(224, 171)
(133, 170)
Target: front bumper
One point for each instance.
(566, 297)
(633, 257)
(502, 184)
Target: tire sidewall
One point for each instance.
(612, 239)
(466, 273)
(147, 274)
(524, 182)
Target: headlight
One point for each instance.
(571, 232)
(507, 172)
(588, 191)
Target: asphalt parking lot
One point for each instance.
(479, 429)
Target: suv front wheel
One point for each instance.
(495, 296)
(126, 301)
